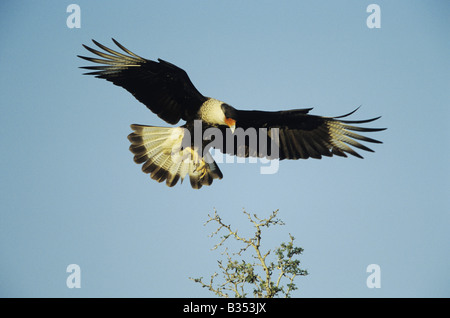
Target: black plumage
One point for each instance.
(168, 92)
(163, 87)
(303, 136)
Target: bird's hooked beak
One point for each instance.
(231, 123)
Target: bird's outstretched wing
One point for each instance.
(163, 87)
(294, 134)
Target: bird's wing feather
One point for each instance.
(295, 134)
(163, 87)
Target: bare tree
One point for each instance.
(266, 278)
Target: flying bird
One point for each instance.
(171, 153)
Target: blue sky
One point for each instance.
(71, 193)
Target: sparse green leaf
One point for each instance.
(265, 277)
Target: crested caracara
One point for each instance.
(170, 153)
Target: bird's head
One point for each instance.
(217, 113)
(230, 116)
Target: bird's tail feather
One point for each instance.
(163, 157)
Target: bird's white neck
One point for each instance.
(211, 112)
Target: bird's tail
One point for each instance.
(163, 157)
